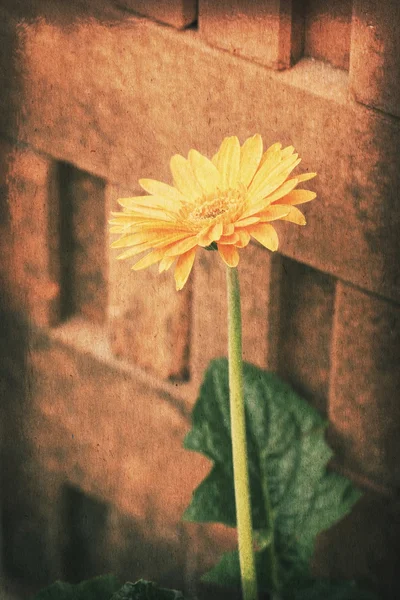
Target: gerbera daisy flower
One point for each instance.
(222, 202)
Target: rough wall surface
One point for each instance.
(100, 366)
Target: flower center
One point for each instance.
(216, 204)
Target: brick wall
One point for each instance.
(100, 366)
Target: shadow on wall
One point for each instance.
(68, 13)
(23, 543)
(23, 528)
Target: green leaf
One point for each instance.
(330, 590)
(99, 588)
(145, 590)
(294, 497)
(226, 572)
(106, 588)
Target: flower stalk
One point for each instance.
(239, 443)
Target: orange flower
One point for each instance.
(223, 202)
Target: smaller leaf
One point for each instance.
(98, 588)
(145, 590)
(226, 572)
(329, 590)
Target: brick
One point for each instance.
(82, 246)
(363, 407)
(110, 436)
(375, 52)
(149, 320)
(27, 231)
(268, 33)
(353, 226)
(209, 323)
(179, 13)
(327, 31)
(371, 552)
(306, 299)
(358, 244)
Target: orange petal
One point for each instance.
(183, 267)
(295, 216)
(159, 202)
(244, 238)
(306, 176)
(229, 228)
(269, 151)
(160, 189)
(229, 255)
(210, 235)
(298, 197)
(129, 240)
(282, 190)
(148, 260)
(157, 237)
(122, 219)
(246, 222)
(265, 234)
(151, 212)
(250, 156)
(284, 165)
(258, 203)
(273, 148)
(120, 229)
(182, 246)
(271, 161)
(152, 225)
(274, 212)
(159, 240)
(228, 162)
(205, 172)
(165, 263)
(184, 178)
(286, 152)
(229, 239)
(268, 180)
(134, 251)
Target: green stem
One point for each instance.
(239, 444)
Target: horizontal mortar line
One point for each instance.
(340, 279)
(295, 76)
(297, 73)
(366, 291)
(381, 112)
(92, 339)
(135, 15)
(373, 294)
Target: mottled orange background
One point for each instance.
(99, 365)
